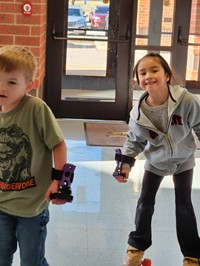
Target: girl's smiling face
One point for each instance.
(152, 76)
(13, 86)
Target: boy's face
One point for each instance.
(13, 86)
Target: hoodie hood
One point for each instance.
(176, 93)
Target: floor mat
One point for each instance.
(111, 134)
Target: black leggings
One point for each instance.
(186, 225)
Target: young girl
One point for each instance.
(161, 127)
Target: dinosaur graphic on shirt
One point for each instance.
(15, 159)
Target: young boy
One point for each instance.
(31, 142)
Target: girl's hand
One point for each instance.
(123, 179)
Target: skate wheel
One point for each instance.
(146, 262)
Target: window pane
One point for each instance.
(88, 71)
(87, 55)
(193, 59)
(155, 22)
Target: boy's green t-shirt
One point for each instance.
(27, 136)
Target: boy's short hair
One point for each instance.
(18, 58)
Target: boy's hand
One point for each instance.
(53, 188)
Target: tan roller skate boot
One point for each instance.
(133, 257)
(188, 261)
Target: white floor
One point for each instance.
(93, 229)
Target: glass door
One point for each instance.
(88, 59)
(171, 28)
(92, 47)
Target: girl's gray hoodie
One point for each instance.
(171, 152)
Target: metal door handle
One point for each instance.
(64, 38)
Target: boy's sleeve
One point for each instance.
(48, 127)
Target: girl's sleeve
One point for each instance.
(134, 143)
(194, 116)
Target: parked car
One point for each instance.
(98, 18)
(76, 20)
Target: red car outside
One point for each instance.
(98, 17)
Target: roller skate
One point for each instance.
(188, 261)
(134, 258)
(146, 262)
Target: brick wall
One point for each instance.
(28, 31)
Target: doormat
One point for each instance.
(111, 134)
